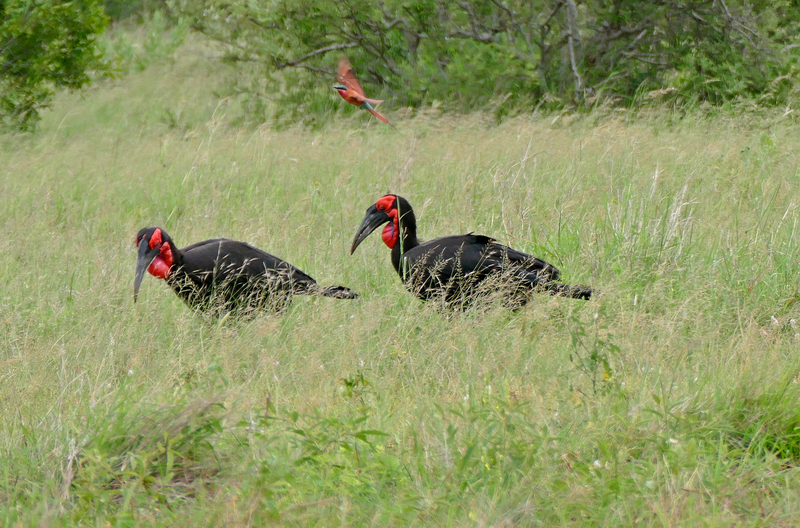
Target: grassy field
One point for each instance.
(669, 399)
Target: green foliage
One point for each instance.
(487, 444)
(164, 452)
(126, 9)
(495, 447)
(767, 424)
(44, 45)
(593, 352)
(132, 49)
(507, 56)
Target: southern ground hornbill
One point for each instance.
(222, 275)
(456, 270)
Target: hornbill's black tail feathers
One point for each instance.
(566, 290)
(337, 292)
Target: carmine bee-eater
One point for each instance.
(352, 92)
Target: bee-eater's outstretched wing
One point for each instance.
(348, 78)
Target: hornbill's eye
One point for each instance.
(381, 208)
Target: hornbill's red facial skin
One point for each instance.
(455, 268)
(224, 275)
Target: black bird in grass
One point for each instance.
(222, 275)
(456, 270)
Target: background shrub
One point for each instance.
(511, 56)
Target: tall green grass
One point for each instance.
(669, 399)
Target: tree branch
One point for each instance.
(282, 65)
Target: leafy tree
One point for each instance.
(44, 44)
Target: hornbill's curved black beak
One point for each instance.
(372, 220)
(146, 257)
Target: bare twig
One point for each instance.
(315, 69)
(553, 13)
(574, 41)
(314, 53)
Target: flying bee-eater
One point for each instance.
(352, 92)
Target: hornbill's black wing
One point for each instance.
(479, 254)
(228, 259)
(526, 266)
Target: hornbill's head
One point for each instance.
(391, 210)
(156, 255)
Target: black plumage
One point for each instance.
(222, 275)
(455, 270)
